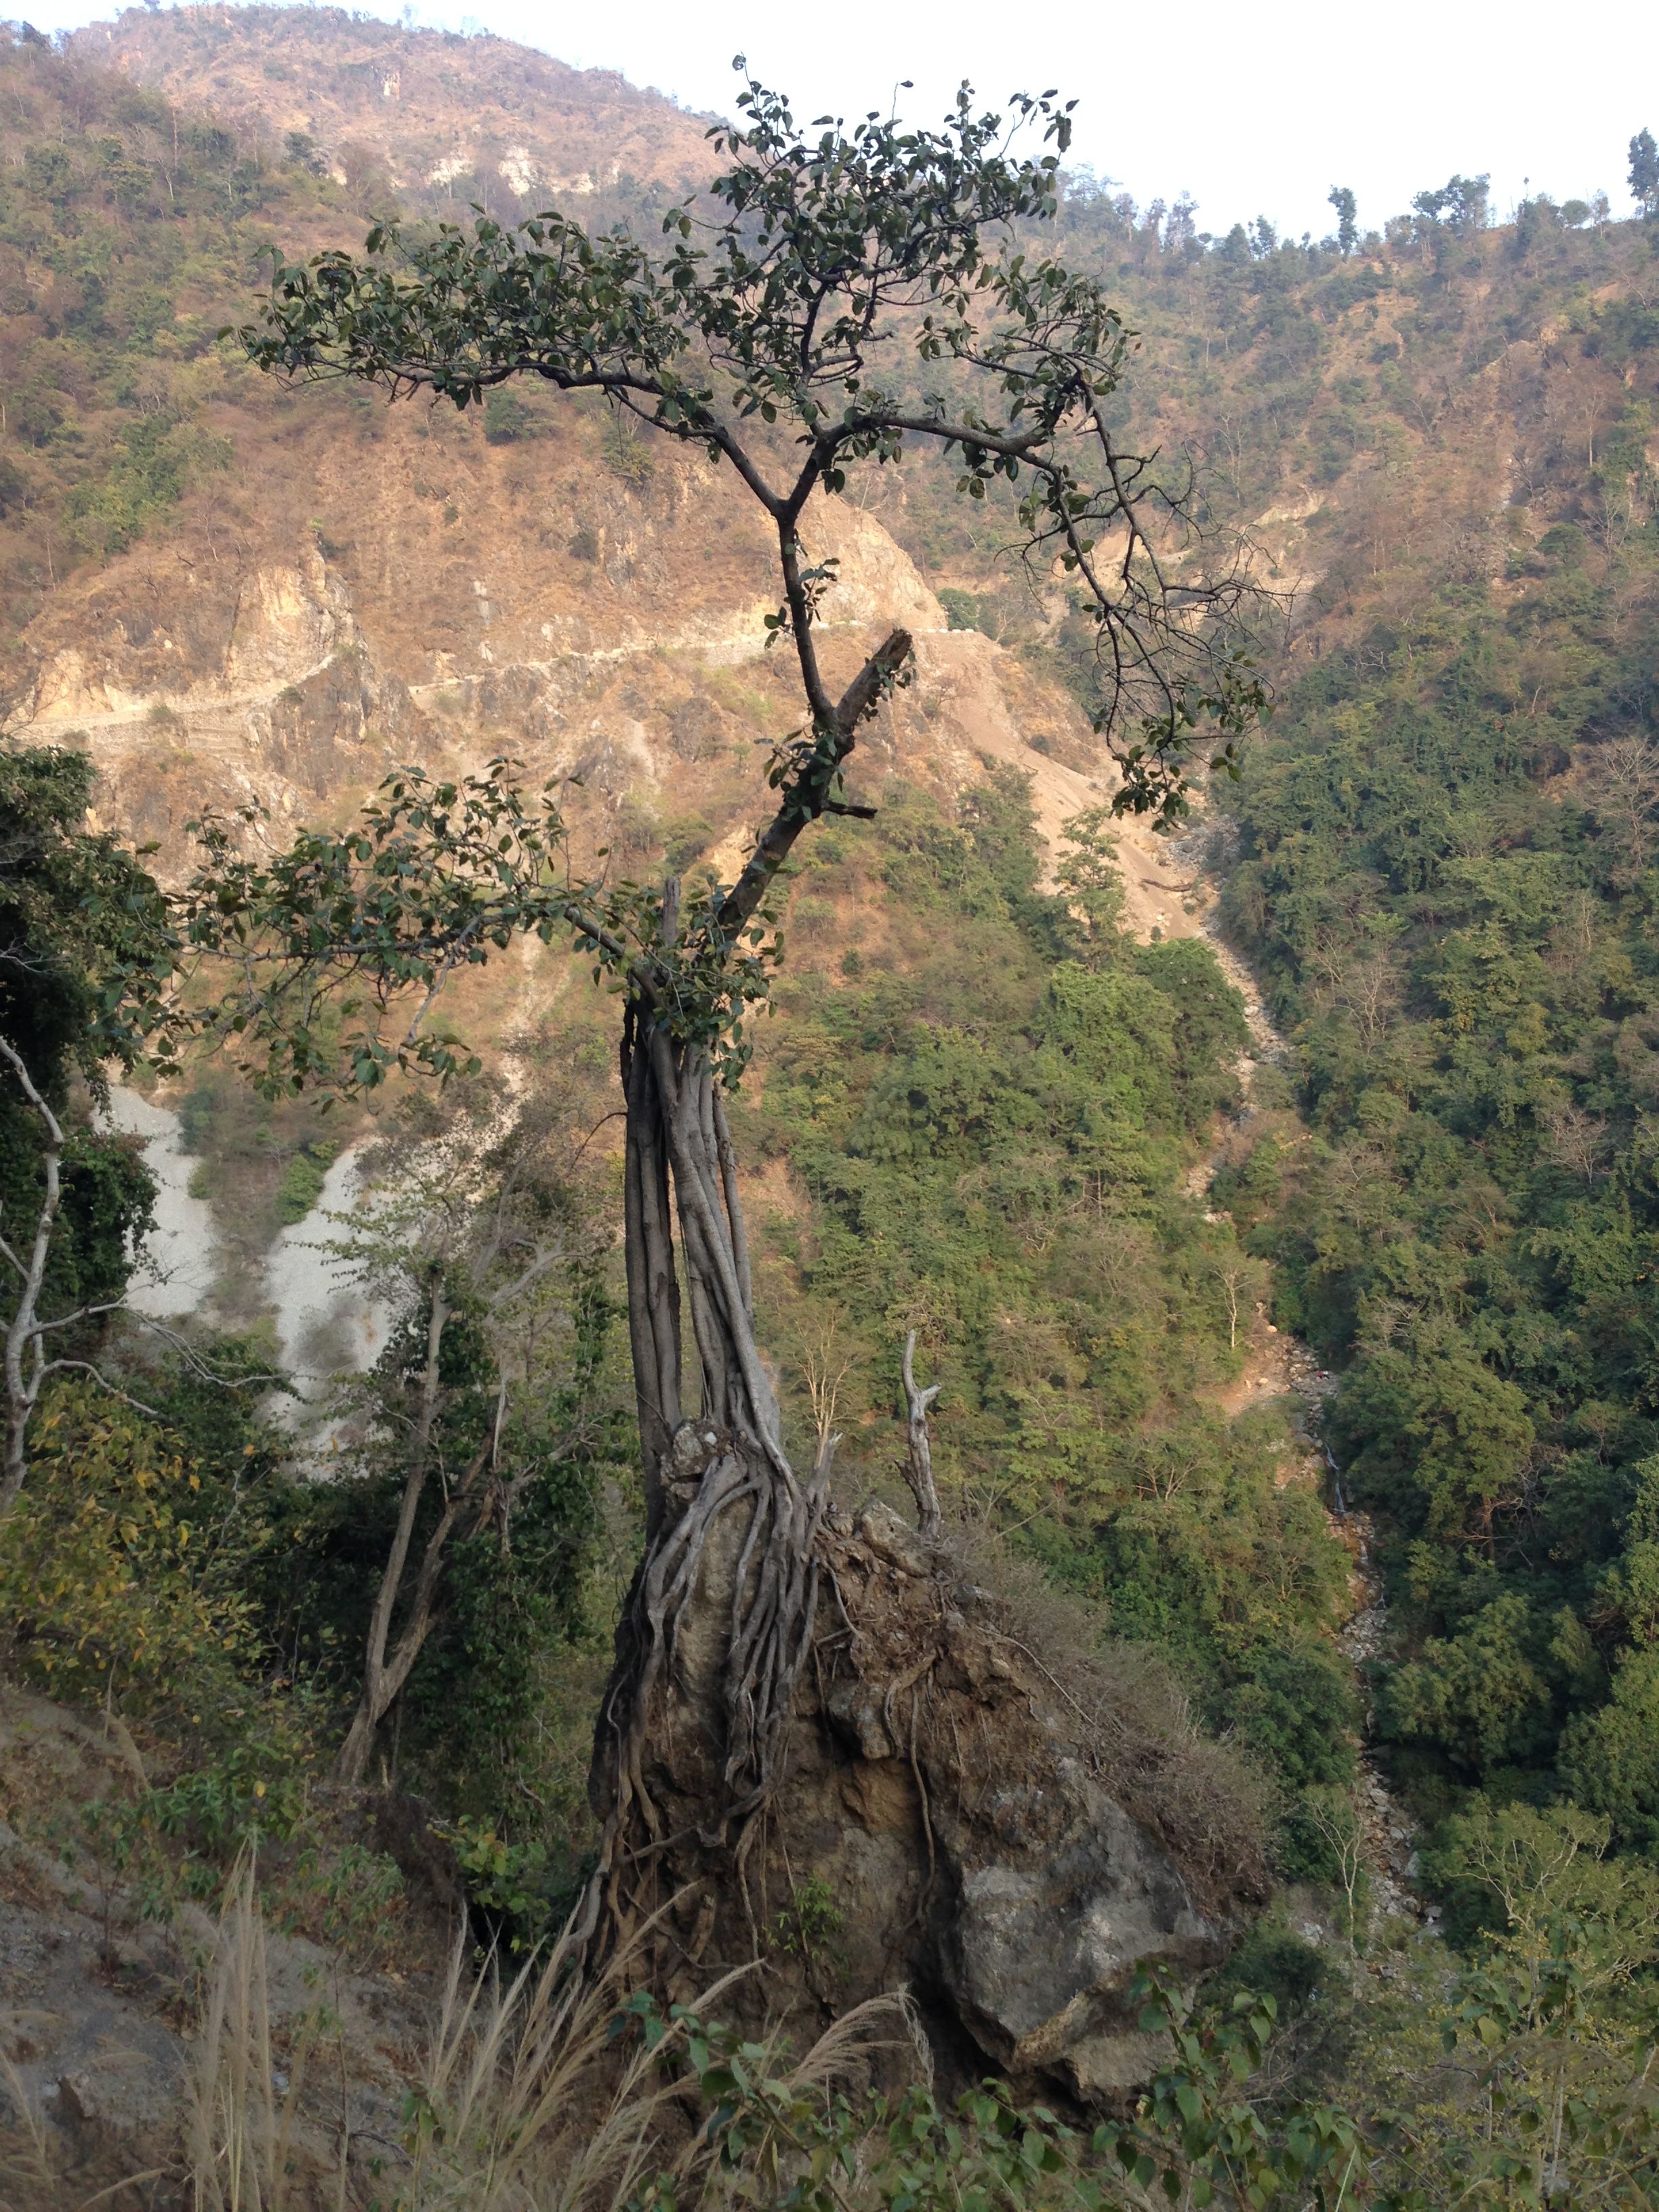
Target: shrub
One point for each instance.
(110, 1587)
(507, 419)
(302, 1183)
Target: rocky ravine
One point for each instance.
(1282, 1365)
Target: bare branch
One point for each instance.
(25, 1361)
(919, 1464)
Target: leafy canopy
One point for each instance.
(859, 289)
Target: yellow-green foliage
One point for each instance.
(109, 1586)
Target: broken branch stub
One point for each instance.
(919, 1460)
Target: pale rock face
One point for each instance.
(288, 623)
(290, 618)
(876, 582)
(179, 1259)
(518, 171)
(1041, 1954)
(66, 689)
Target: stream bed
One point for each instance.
(1387, 1834)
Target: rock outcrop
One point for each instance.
(958, 1820)
(107, 2041)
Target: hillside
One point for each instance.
(1443, 874)
(1010, 1100)
(528, 579)
(439, 119)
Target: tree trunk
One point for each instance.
(720, 1619)
(919, 1466)
(379, 1688)
(694, 1728)
(25, 1361)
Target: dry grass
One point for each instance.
(248, 2145)
(1204, 1800)
(531, 2102)
(526, 2098)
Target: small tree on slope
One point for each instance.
(806, 324)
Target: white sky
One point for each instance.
(1255, 111)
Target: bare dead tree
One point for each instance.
(1235, 1276)
(1576, 1140)
(30, 1361)
(1623, 782)
(825, 1365)
(919, 1461)
(27, 1365)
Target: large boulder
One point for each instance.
(1013, 1844)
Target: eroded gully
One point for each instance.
(1286, 1368)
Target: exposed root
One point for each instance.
(769, 1613)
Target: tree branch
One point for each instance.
(808, 794)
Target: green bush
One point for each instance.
(303, 1182)
(505, 418)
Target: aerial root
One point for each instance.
(770, 1619)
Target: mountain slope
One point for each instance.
(438, 118)
(1445, 873)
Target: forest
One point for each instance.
(982, 1113)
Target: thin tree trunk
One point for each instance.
(24, 1361)
(378, 1690)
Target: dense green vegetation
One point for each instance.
(1444, 872)
(1447, 868)
(993, 1133)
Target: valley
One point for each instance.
(1270, 1195)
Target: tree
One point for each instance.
(1333, 1815)
(1623, 780)
(86, 948)
(1443, 1441)
(1460, 204)
(478, 1237)
(1091, 884)
(1239, 1280)
(919, 1461)
(859, 290)
(1348, 219)
(1645, 172)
